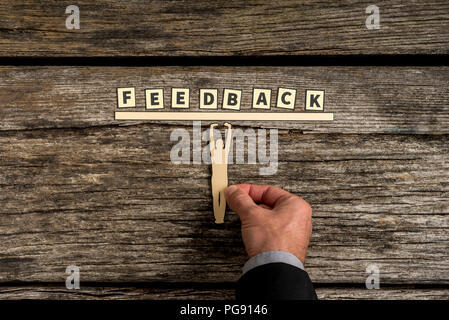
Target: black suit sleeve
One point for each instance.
(275, 281)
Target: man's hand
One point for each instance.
(272, 219)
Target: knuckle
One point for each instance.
(288, 198)
(307, 208)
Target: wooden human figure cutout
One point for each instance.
(219, 161)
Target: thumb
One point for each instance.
(239, 201)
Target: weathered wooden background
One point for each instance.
(78, 187)
(223, 27)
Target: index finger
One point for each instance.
(266, 194)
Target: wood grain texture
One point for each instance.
(109, 200)
(55, 292)
(78, 187)
(222, 28)
(363, 99)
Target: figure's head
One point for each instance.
(219, 144)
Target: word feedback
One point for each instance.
(232, 99)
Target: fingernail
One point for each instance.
(231, 189)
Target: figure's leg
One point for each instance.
(219, 184)
(215, 196)
(221, 208)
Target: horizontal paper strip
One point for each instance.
(267, 116)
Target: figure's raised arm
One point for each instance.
(228, 138)
(211, 138)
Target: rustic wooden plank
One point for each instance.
(406, 293)
(110, 201)
(219, 28)
(113, 293)
(55, 292)
(363, 99)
